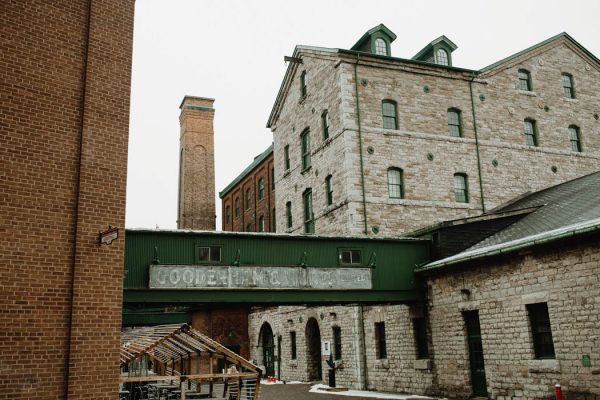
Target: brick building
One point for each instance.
(248, 202)
(65, 77)
(366, 143)
(196, 201)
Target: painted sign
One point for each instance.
(231, 277)
(108, 236)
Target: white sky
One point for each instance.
(233, 51)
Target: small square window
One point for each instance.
(206, 254)
(350, 257)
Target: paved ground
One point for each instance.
(299, 392)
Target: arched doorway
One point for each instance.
(313, 350)
(267, 343)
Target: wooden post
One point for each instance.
(210, 371)
(182, 387)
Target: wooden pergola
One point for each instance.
(181, 354)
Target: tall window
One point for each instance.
(329, 189)
(441, 57)
(288, 213)
(227, 214)
(574, 138)
(303, 84)
(380, 47)
(273, 224)
(272, 178)
(461, 190)
(524, 80)
(388, 109)
(420, 332)
(541, 331)
(530, 131)
(380, 344)
(261, 188)
(249, 227)
(261, 224)
(286, 157)
(248, 199)
(293, 354)
(237, 207)
(325, 121)
(395, 183)
(305, 139)
(337, 343)
(454, 122)
(567, 83)
(309, 218)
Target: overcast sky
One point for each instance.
(233, 52)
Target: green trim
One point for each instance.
(257, 161)
(441, 42)
(477, 148)
(379, 31)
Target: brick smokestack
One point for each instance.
(196, 203)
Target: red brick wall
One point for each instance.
(64, 115)
(228, 326)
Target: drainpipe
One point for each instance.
(359, 345)
(360, 147)
(477, 143)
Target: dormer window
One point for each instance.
(441, 57)
(380, 47)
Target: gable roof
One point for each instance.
(429, 47)
(564, 210)
(370, 32)
(255, 163)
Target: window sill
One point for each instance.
(422, 364)
(570, 100)
(302, 99)
(286, 173)
(544, 366)
(527, 93)
(382, 363)
(305, 170)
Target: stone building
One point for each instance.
(65, 71)
(248, 202)
(370, 144)
(196, 200)
(508, 312)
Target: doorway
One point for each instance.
(313, 351)
(476, 360)
(268, 349)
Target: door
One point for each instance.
(268, 347)
(475, 353)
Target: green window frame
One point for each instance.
(293, 352)
(329, 189)
(389, 114)
(420, 333)
(325, 122)
(395, 177)
(530, 131)
(206, 254)
(227, 214)
(350, 257)
(261, 223)
(575, 138)
(454, 122)
(303, 90)
(261, 188)
(441, 57)
(380, 342)
(541, 331)
(305, 142)
(309, 216)
(248, 198)
(237, 207)
(567, 84)
(286, 157)
(380, 47)
(288, 213)
(461, 188)
(525, 80)
(337, 343)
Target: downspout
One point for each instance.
(360, 147)
(78, 193)
(361, 351)
(477, 143)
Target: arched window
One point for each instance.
(388, 110)
(261, 188)
(305, 139)
(227, 214)
(441, 57)
(237, 207)
(380, 47)
(261, 224)
(395, 183)
(574, 138)
(567, 83)
(309, 217)
(461, 189)
(454, 122)
(525, 80)
(329, 190)
(303, 84)
(530, 131)
(325, 120)
(248, 198)
(288, 213)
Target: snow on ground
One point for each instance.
(363, 393)
(266, 382)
